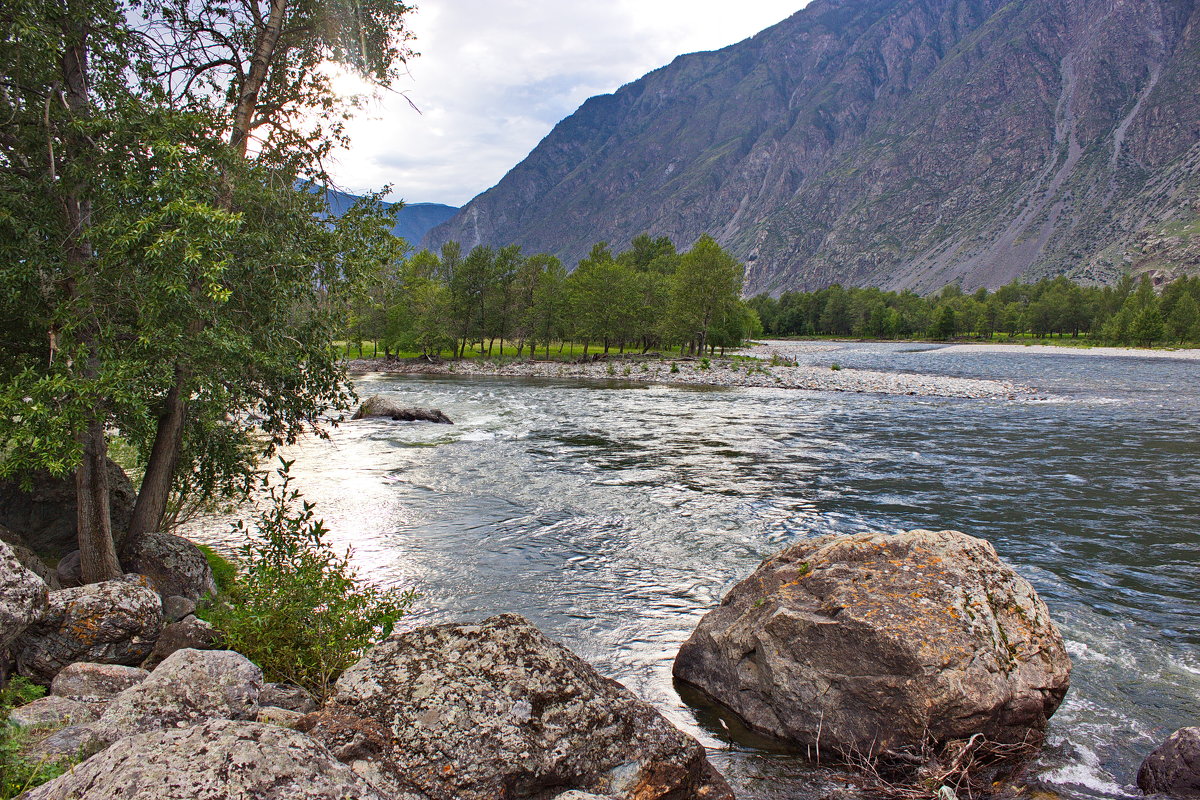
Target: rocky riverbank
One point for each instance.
(768, 365)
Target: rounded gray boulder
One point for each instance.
(883, 646)
(175, 566)
(217, 759)
(23, 596)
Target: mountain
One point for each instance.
(894, 143)
(413, 220)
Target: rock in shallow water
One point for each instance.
(1173, 768)
(380, 406)
(217, 759)
(499, 710)
(882, 646)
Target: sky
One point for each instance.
(495, 76)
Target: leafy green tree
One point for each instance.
(946, 326)
(1184, 321)
(706, 284)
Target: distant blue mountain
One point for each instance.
(413, 220)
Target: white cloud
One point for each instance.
(496, 75)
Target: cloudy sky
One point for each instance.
(494, 76)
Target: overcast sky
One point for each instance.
(494, 76)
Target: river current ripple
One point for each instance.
(614, 515)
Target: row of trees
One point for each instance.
(162, 277)
(1131, 312)
(647, 297)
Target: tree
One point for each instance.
(707, 282)
(947, 323)
(1184, 321)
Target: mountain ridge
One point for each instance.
(897, 143)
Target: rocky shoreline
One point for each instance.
(770, 365)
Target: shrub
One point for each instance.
(224, 571)
(674, 368)
(297, 608)
(835, 366)
(17, 773)
(705, 363)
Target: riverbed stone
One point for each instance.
(383, 406)
(1173, 769)
(113, 622)
(877, 645)
(23, 596)
(215, 759)
(51, 712)
(189, 687)
(174, 565)
(476, 711)
(176, 608)
(44, 514)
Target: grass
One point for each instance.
(224, 571)
(19, 774)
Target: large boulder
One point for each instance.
(44, 515)
(29, 559)
(497, 709)
(95, 685)
(889, 646)
(23, 596)
(114, 622)
(175, 566)
(381, 406)
(190, 687)
(217, 759)
(1173, 768)
(51, 712)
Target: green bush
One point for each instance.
(297, 608)
(835, 366)
(17, 773)
(705, 363)
(674, 368)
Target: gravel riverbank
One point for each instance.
(768, 364)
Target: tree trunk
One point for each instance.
(151, 505)
(98, 556)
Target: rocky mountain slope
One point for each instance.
(897, 143)
(413, 220)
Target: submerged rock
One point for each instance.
(497, 709)
(884, 646)
(175, 566)
(216, 759)
(380, 406)
(1173, 768)
(114, 622)
(23, 596)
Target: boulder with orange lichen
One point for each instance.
(883, 646)
(114, 622)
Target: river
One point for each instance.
(614, 515)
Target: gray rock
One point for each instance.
(461, 710)
(219, 759)
(278, 716)
(95, 684)
(582, 796)
(189, 633)
(190, 687)
(51, 712)
(878, 645)
(285, 695)
(176, 608)
(381, 406)
(69, 570)
(174, 565)
(44, 516)
(114, 622)
(28, 558)
(1173, 768)
(75, 742)
(23, 596)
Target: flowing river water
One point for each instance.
(615, 515)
